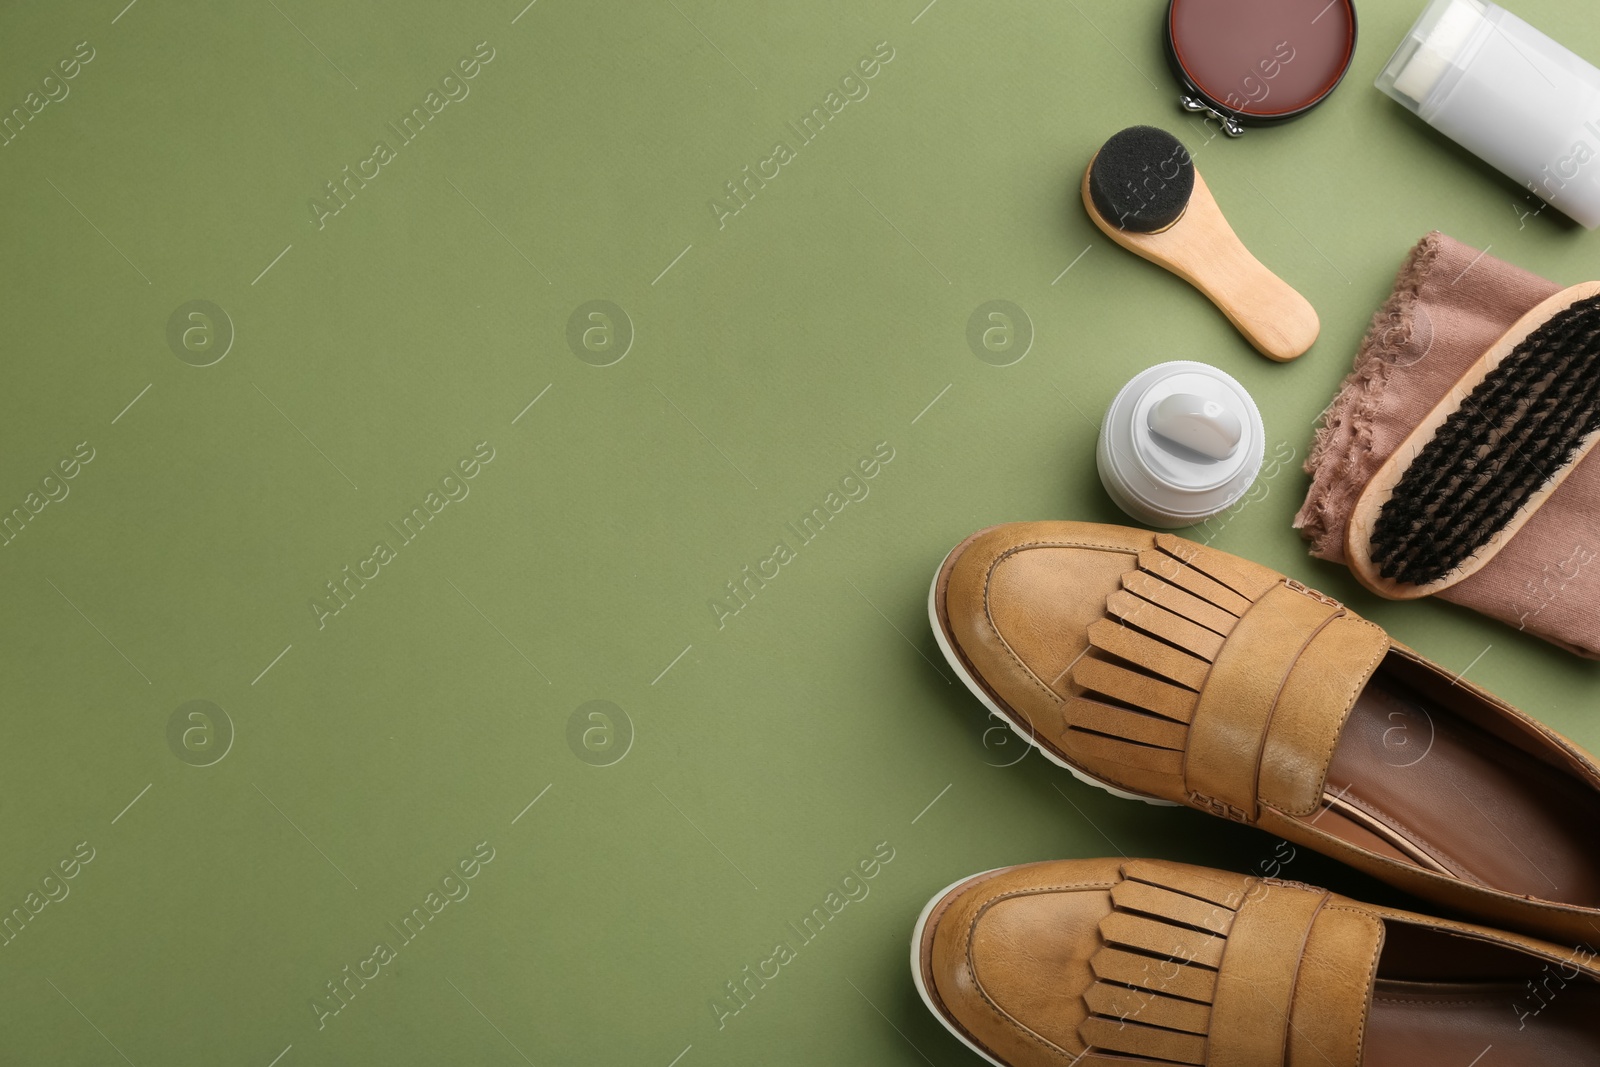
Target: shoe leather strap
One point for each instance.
(1274, 702)
(1235, 972)
(1296, 981)
(1219, 682)
(1250, 1016)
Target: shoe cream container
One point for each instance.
(1181, 443)
(1509, 94)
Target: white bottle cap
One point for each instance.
(1180, 443)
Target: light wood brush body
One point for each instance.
(1202, 249)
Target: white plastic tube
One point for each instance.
(1510, 95)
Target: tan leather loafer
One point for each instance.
(1171, 672)
(1120, 963)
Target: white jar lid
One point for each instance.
(1435, 49)
(1181, 442)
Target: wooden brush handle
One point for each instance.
(1202, 249)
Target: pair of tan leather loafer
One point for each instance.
(1166, 671)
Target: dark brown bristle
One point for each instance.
(1522, 425)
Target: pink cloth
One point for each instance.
(1450, 304)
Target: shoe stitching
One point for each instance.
(1289, 1028)
(977, 983)
(1582, 760)
(1415, 838)
(1372, 971)
(988, 617)
(1423, 998)
(1266, 726)
(1339, 849)
(1363, 678)
(1028, 672)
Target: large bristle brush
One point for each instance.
(1488, 455)
(1143, 190)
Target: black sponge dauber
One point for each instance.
(1142, 190)
(1142, 179)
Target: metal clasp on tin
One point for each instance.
(1229, 124)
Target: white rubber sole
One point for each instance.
(916, 967)
(978, 691)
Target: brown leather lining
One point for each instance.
(1487, 1024)
(1452, 797)
(1343, 807)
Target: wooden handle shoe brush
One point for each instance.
(1143, 190)
(1489, 454)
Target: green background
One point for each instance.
(778, 750)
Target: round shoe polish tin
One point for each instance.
(1258, 62)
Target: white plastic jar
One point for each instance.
(1510, 95)
(1181, 443)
